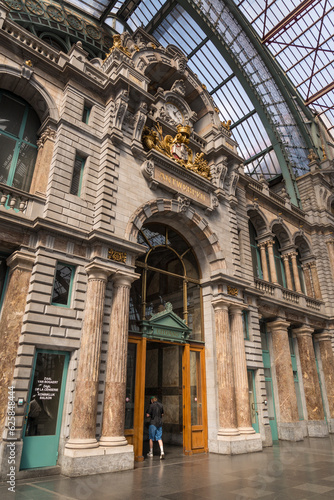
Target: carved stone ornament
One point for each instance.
(117, 45)
(184, 203)
(116, 255)
(218, 174)
(48, 133)
(176, 148)
(179, 87)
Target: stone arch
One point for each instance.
(258, 219)
(282, 233)
(188, 222)
(303, 245)
(21, 81)
(330, 204)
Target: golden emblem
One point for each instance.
(117, 256)
(176, 148)
(118, 45)
(232, 291)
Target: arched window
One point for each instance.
(18, 137)
(256, 256)
(169, 273)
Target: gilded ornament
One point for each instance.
(28, 63)
(312, 156)
(117, 44)
(116, 255)
(232, 291)
(226, 125)
(176, 148)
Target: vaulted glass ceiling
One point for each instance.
(222, 40)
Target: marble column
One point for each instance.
(272, 266)
(264, 263)
(225, 381)
(240, 372)
(330, 249)
(327, 361)
(43, 161)
(315, 280)
(307, 278)
(115, 386)
(287, 271)
(83, 426)
(311, 382)
(298, 287)
(20, 266)
(288, 422)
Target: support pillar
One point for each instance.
(330, 249)
(287, 271)
(298, 287)
(42, 167)
(20, 264)
(83, 426)
(115, 386)
(316, 420)
(327, 361)
(307, 278)
(315, 280)
(264, 263)
(225, 381)
(272, 266)
(240, 373)
(288, 425)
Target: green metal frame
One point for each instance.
(68, 304)
(82, 167)
(256, 425)
(18, 139)
(3, 293)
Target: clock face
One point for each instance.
(174, 113)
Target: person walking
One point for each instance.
(155, 412)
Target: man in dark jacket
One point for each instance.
(155, 412)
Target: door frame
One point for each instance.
(60, 406)
(135, 436)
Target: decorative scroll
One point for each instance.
(176, 148)
(116, 255)
(117, 44)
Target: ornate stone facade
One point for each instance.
(266, 306)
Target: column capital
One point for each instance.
(236, 308)
(303, 331)
(125, 280)
(325, 335)
(222, 304)
(330, 241)
(278, 324)
(97, 271)
(21, 260)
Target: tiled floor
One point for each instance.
(295, 471)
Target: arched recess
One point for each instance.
(258, 219)
(302, 245)
(187, 222)
(21, 81)
(279, 229)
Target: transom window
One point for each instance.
(19, 124)
(169, 273)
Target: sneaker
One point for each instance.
(162, 456)
(150, 454)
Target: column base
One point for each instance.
(224, 431)
(236, 445)
(290, 431)
(331, 425)
(100, 460)
(317, 428)
(111, 442)
(81, 444)
(246, 430)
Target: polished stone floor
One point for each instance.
(295, 471)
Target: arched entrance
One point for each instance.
(166, 343)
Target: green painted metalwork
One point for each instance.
(166, 325)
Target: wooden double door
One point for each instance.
(175, 373)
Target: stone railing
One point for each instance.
(290, 296)
(15, 201)
(313, 303)
(265, 287)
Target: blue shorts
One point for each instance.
(155, 433)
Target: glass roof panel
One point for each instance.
(95, 8)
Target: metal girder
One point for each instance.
(319, 94)
(160, 16)
(107, 10)
(292, 17)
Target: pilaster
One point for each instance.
(327, 361)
